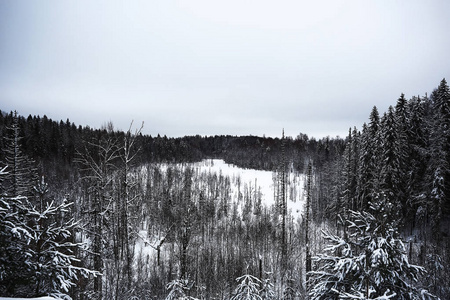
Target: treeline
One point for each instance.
(54, 144)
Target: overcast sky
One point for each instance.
(220, 67)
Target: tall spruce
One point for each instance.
(401, 124)
(21, 174)
(390, 175)
(349, 174)
(438, 164)
(418, 143)
(282, 202)
(442, 102)
(368, 172)
(369, 263)
(365, 167)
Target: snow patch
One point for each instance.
(263, 181)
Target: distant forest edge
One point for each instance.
(48, 141)
(381, 192)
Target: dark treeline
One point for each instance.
(54, 144)
(116, 196)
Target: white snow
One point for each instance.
(264, 181)
(144, 245)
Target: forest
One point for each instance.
(79, 206)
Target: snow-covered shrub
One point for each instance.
(248, 288)
(178, 289)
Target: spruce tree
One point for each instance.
(282, 202)
(417, 137)
(366, 169)
(369, 263)
(248, 288)
(442, 103)
(178, 289)
(348, 193)
(267, 290)
(391, 171)
(15, 236)
(438, 173)
(21, 173)
(52, 247)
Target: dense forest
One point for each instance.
(78, 206)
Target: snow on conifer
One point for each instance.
(178, 289)
(248, 288)
(368, 262)
(36, 247)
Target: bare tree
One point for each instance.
(97, 162)
(307, 221)
(128, 154)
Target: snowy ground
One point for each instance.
(264, 180)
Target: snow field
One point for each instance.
(264, 181)
(258, 181)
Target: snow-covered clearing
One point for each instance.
(260, 181)
(264, 180)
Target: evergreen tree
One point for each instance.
(365, 169)
(401, 123)
(21, 174)
(267, 290)
(369, 263)
(178, 289)
(391, 170)
(442, 104)
(368, 165)
(54, 265)
(289, 292)
(282, 202)
(248, 288)
(37, 249)
(15, 236)
(401, 110)
(416, 163)
(438, 172)
(347, 198)
(354, 159)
